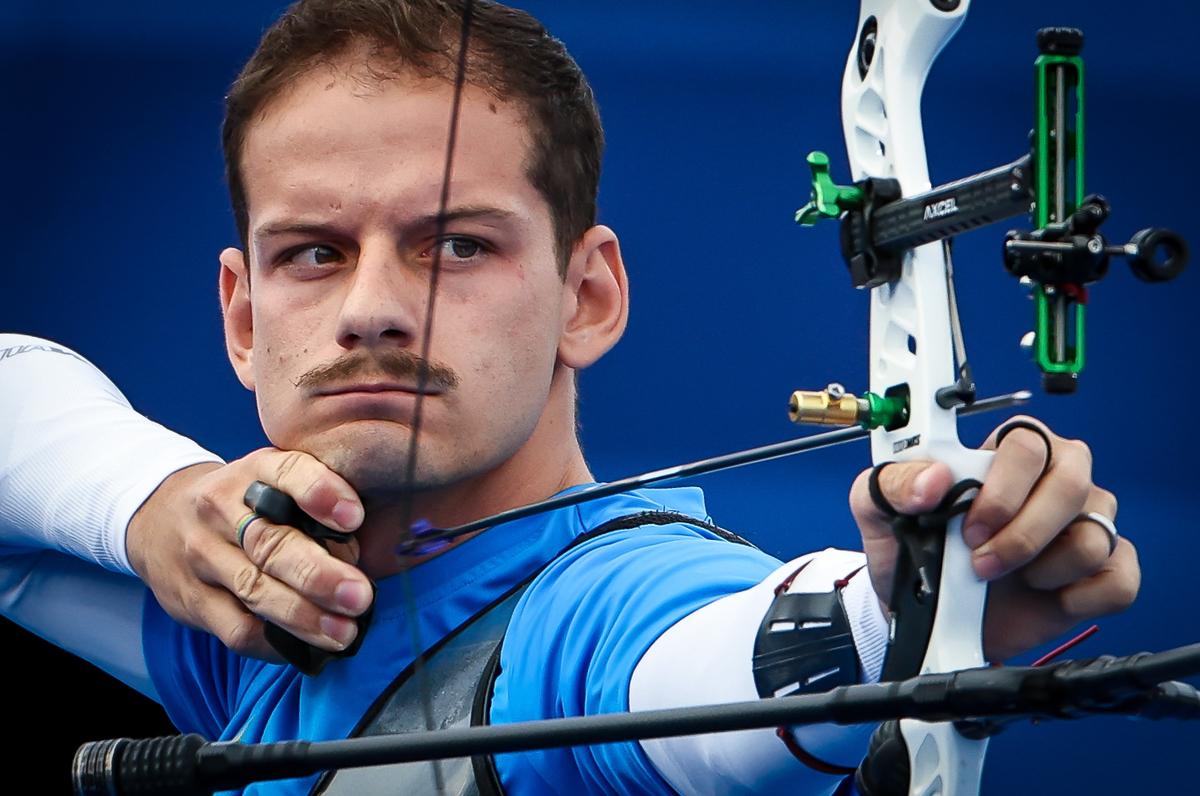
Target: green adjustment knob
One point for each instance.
(828, 199)
(891, 411)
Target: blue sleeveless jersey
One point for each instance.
(578, 632)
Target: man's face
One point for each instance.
(343, 179)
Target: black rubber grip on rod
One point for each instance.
(953, 208)
(131, 768)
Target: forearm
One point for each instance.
(76, 461)
(87, 611)
(707, 658)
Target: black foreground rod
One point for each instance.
(1135, 684)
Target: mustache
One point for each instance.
(398, 364)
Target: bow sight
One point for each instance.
(1063, 254)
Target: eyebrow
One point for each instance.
(466, 212)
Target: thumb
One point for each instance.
(907, 487)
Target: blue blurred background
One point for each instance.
(116, 210)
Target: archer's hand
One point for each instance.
(183, 544)
(1047, 571)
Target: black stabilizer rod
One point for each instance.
(1133, 685)
(951, 209)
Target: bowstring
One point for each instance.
(406, 513)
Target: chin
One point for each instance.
(373, 477)
(374, 460)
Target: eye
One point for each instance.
(312, 256)
(458, 249)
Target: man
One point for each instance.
(336, 146)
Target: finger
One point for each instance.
(218, 612)
(908, 487)
(1015, 469)
(320, 492)
(299, 562)
(1020, 618)
(275, 601)
(1112, 589)
(1056, 499)
(1081, 550)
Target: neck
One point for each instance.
(548, 462)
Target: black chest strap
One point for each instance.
(486, 778)
(462, 669)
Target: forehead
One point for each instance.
(337, 139)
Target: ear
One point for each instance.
(596, 299)
(234, 285)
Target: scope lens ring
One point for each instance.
(1161, 255)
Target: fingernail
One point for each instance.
(987, 564)
(352, 596)
(921, 485)
(976, 535)
(347, 514)
(339, 629)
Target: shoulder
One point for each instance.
(682, 553)
(586, 620)
(607, 598)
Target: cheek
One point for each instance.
(274, 361)
(282, 353)
(513, 327)
(531, 331)
(512, 355)
(287, 328)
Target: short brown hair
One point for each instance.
(510, 55)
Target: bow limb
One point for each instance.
(912, 344)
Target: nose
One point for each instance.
(384, 300)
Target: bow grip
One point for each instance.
(279, 508)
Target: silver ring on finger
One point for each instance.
(243, 524)
(1106, 524)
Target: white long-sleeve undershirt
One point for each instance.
(76, 463)
(705, 659)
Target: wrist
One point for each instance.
(161, 509)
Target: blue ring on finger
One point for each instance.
(243, 524)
